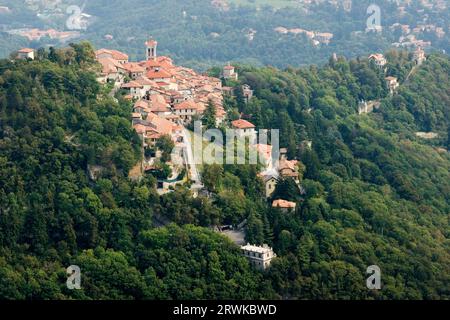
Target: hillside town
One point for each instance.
(166, 99)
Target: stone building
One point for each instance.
(260, 257)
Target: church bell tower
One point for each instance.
(151, 49)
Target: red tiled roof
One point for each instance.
(26, 50)
(242, 124)
(376, 56)
(109, 65)
(132, 84)
(152, 64)
(151, 43)
(141, 104)
(159, 107)
(140, 128)
(160, 74)
(117, 55)
(133, 67)
(145, 82)
(284, 204)
(188, 104)
(162, 126)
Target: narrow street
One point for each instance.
(189, 158)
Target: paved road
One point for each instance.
(193, 171)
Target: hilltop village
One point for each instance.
(167, 99)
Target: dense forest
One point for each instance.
(375, 193)
(198, 34)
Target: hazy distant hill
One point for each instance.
(200, 33)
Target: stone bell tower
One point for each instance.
(151, 49)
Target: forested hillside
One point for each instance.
(56, 123)
(374, 192)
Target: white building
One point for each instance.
(25, 53)
(419, 56)
(187, 109)
(243, 128)
(392, 84)
(378, 59)
(259, 257)
(137, 90)
(284, 205)
(229, 72)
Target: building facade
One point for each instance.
(260, 257)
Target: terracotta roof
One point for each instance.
(26, 50)
(188, 104)
(161, 126)
(151, 43)
(284, 204)
(159, 63)
(158, 106)
(288, 164)
(163, 84)
(242, 124)
(145, 82)
(158, 74)
(157, 98)
(109, 65)
(164, 59)
(376, 56)
(132, 84)
(140, 128)
(117, 55)
(141, 104)
(133, 67)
